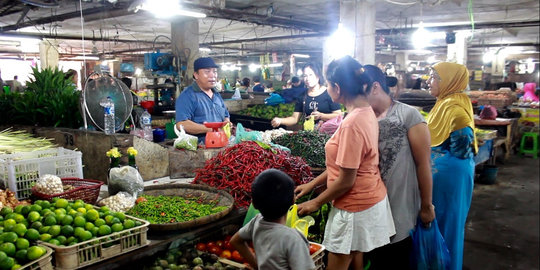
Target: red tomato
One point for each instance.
(140, 200)
(219, 243)
(228, 245)
(201, 247)
(210, 244)
(237, 257)
(313, 248)
(226, 254)
(215, 250)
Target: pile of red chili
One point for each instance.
(235, 168)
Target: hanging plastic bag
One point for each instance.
(489, 113)
(243, 135)
(236, 95)
(330, 126)
(309, 123)
(429, 249)
(184, 140)
(125, 178)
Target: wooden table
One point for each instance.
(507, 140)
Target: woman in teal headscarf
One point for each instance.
(453, 145)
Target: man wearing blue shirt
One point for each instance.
(200, 102)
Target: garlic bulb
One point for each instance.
(49, 184)
(120, 202)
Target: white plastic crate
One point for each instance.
(19, 171)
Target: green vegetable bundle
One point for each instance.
(21, 141)
(168, 209)
(306, 144)
(269, 112)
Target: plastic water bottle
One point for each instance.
(146, 125)
(108, 109)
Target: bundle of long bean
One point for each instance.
(168, 209)
(21, 141)
(235, 168)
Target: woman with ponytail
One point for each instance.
(360, 219)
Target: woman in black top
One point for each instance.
(315, 103)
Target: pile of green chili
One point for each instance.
(168, 209)
(306, 144)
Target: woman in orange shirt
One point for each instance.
(360, 219)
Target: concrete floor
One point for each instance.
(502, 230)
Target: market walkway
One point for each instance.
(502, 230)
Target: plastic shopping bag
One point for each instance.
(429, 249)
(127, 179)
(243, 135)
(330, 126)
(184, 140)
(274, 99)
(236, 95)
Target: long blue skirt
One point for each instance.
(453, 180)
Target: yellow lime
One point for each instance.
(61, 203)
(116, 227)
(55, 230)
(32, 234)
(33, 216)
(98, 222)
(22, 243)
(10, 237)
(67, 230)
(60, 211)
(88, 206)
(19, 229)
(34, 252)
(67, 220)
(49, 220)
(81, 210)
(8, 248)
(92, 215)
(45, 237)
(72, 212)
(104, 230)
(128, 224)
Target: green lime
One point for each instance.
(19, 218)
(67, 230)
(33, 216)
(6, 210)
(19, 229)
(9, 224)
(60, 211)
(104, 209)
(36, 224)
(46, 212)
(10, 216)
(85, 235)
(20, 255)
(71, 240)
(98, 222)
(25, 210)
(49, 220)
(79, 221)
(62, 239)
(45, 204)
(88, 226)
(10, 237)
(2, 255)
(32, 234)
(45, 237)
(78, 231)
(121, 216)
(61, 203)
(128, 224)
(67, 220)
(81, 210)
(104, 230)
(34, 252)
(95, 231)
(54, 242)
(116, 227)
(36, 207)
(88, 207)
(55, 199)
(78, 204)
(18, 209)
(92, 215)
(44, 229)
(8, 248)
(137, 223)
(22, 243)
(109, 219)
(8, 263)
(55, 230)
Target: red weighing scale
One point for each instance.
(217, 137)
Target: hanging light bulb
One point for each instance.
(421, 37)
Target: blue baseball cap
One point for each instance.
(204, 62)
